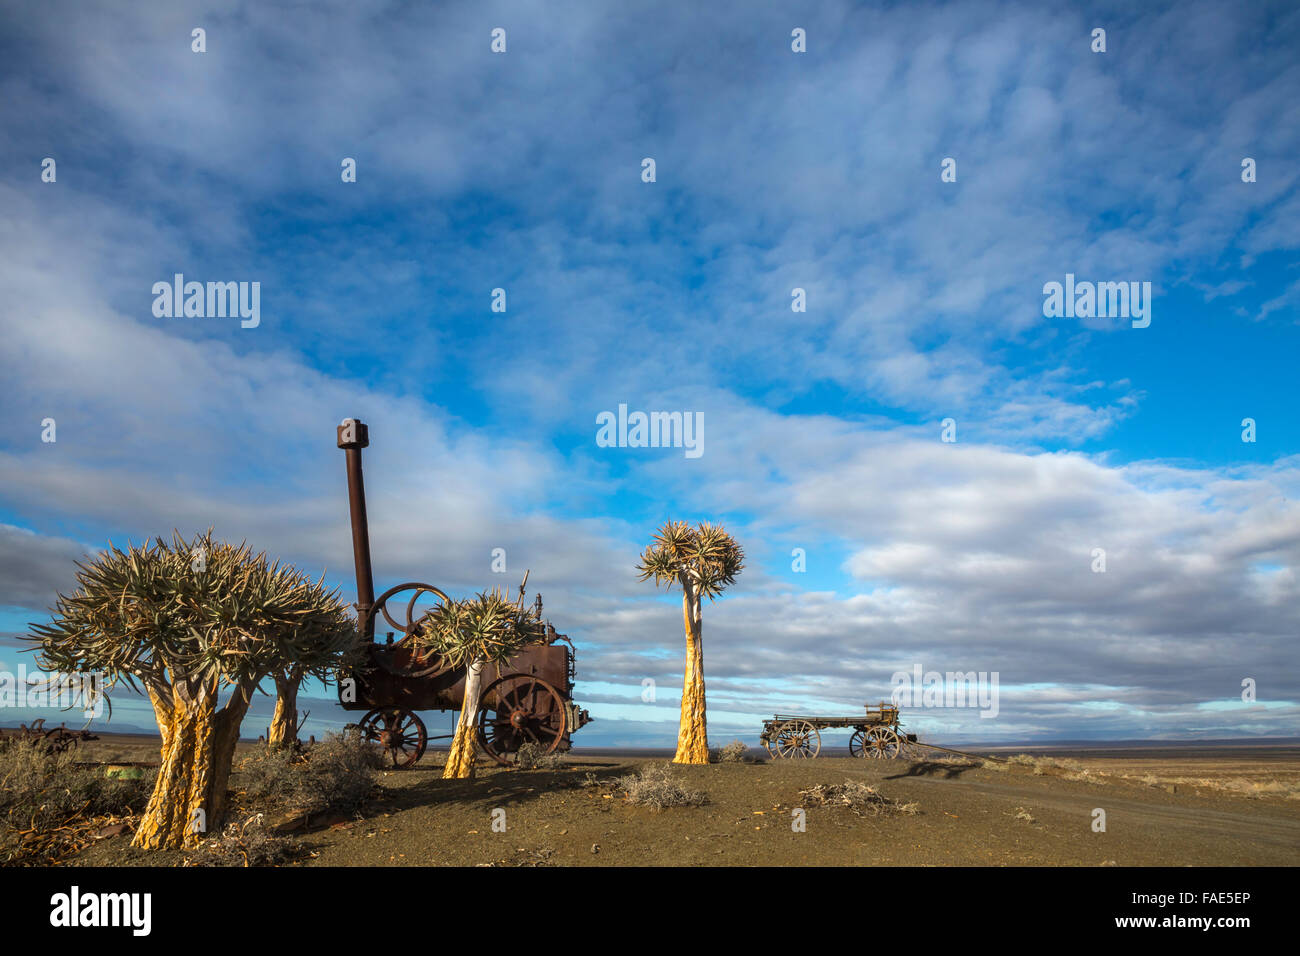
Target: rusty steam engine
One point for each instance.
(527, 700)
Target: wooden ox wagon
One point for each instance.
(875, 734)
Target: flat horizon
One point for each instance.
(1055, 744)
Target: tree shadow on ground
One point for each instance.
(932, 768)
(499, 789)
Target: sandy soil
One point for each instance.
(966, 814)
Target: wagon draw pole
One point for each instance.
(352, 437)
(959, 753)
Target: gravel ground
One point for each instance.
(965, 815)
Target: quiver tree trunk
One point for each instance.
(284, 722)
(460, 761)
(189, 797)
(692, 732)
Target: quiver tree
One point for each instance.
(486, 629)
(283, 731)
(192, 624)
(703, 560)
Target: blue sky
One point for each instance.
(775, 170)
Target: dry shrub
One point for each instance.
(49, 805)
(1290, 789)
(1087, 776)
(857, 796)
(1060, 763)
(534, 757)
(1039, 765)
(246, 844)
(334, 776)
(1074, 771)
(657, 788)
(735, 752)
(1243, 786)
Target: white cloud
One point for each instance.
(820, 172)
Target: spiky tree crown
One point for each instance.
(205, 612)
(487, 628)
(705, 555)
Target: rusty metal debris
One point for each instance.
(51, 741)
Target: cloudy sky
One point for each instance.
(823, 429)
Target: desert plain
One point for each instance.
(1163, 806)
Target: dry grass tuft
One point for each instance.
(1239, 786)
(51, 808)
(1251, 788)
(334, 776)
(1039, 765)
(657, 788)
(534, 757)
(246, 844)
(735, 752)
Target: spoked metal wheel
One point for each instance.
(883, 743)
(400, 732)
(403, 657)
(797, 739)
(520, 709)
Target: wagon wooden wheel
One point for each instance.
(796, 739)
(400, 732)
(520, 709)
(858, 743)
(883, 743)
